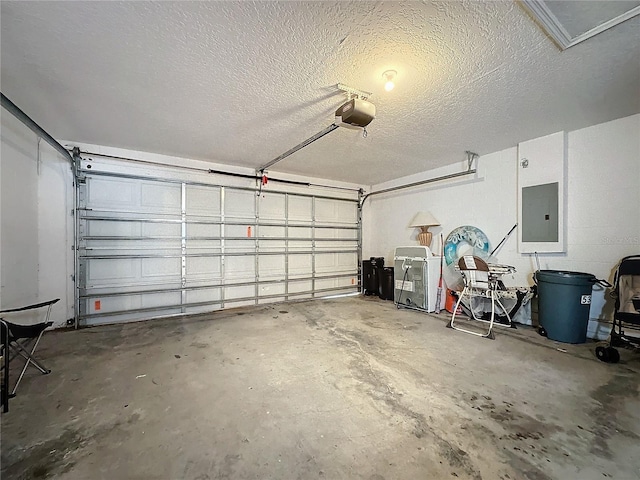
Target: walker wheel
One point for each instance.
(542, 331)
(603, 354)
(614, 355)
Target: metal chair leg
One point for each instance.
(455, 309)
(451, 324)
(29, 360)
(24, 353)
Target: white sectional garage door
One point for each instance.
(155, 245)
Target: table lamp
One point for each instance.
(424, 220)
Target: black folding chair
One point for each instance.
(22, 340)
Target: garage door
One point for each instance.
(156, 243)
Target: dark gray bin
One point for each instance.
(564, 299)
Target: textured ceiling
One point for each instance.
(241, 82)
(580, 17)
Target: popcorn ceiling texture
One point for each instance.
(242, 82)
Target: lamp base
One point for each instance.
(425, 238)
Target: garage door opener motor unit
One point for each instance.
(416, 274)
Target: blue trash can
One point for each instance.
(564, 299)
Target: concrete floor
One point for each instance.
(346, 388)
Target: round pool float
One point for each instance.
(465, 236)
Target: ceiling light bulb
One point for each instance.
(389, 78)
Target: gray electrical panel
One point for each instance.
(540, 213)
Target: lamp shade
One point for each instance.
(424, 219)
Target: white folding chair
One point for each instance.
(479, 283)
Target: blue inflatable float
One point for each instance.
(465, 235)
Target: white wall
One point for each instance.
(18, 172)
(603, 208)
(36, 261)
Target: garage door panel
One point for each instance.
(327, 283)
(242, 292)
(157, 248)
(160, 267)
(271, 266)
(240, 303)
(204, 267)
(204, 295)
(240, 267)
(272, 246)
(272, 206)
(336, 262)
(203, 230)
(97, 228)
(239, 204)
(133, 248)
(272, 289)
(335, 211)
(300, 286)
(160, 230)
(300, 265)
(160, 299)
(300, 232)
(267, 300)
(101, 192)
(133, 196)
(132, 288)
(110, 272)
(340, 233)
(335, 245)
(240, 246)
(300, 209)
(347, 261)
(270, 232)
(202, 309)
(203, 201)
(326, 262)
(131, 316)
(300, 246)
(160, 198)
(111, 304)
(242, 231)
(204, 246)
(114, 304)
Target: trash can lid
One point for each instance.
(565, 277)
